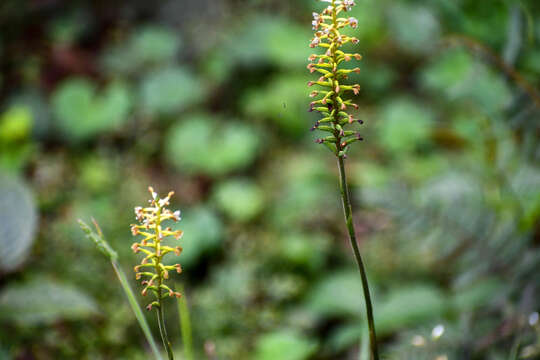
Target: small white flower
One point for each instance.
(176, 215)
(348, 4)
(533, 319)
(418, 340)
(353, 22)
(163, 202)
(437, 332)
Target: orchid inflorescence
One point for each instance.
(150, 226)
(331, 105)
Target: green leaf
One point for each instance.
(284, 345)
(18, 216)
(339, 294)
(303, 250)
(147, 46)
(409, 306)
(459, 76)
(15, 124)
(414, 27)
(404, 125)
(475, 296)
(242, 200)
(201, 144)
(43, 301)
(270, 39)
(81, 113)
(203, 233)
(154, 44)
(15, 131)
(169, 90)
(284, 101)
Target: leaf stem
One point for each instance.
(185, 324)
(135, 307)
(347, 210)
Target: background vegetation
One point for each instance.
(99, 99)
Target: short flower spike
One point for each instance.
(330, 102)
(150, 227)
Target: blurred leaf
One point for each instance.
(81, 113)
(270, 39)
(15, 130)
(33, 100)
(284, 345)
(460, 77)
(404, 125)
(15, 124)
(414, 27)
(18, 216)
(154, 44)
(240, 199)
(169, 90)
(372, 29)
(409, 306)
(43, 301)
(302, 202)
(96, 174)
(203, 233)
(148, 45)
(526, 185)
(338, 294)
(284, 101)
(66, 30)
(425, 167)
(476, 295)
(370, 175)
(345, 336)
(304, 250)
(201, 144)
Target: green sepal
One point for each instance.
(326, 128)
(331, 147)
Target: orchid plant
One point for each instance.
(336, 118)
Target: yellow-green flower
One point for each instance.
(151, 228)
(330, 99)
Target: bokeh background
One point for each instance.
(99, 99)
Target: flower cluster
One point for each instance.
(330, 103)
(150, 227)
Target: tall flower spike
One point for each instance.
(330, 100)
(336, 119)
(152, 271)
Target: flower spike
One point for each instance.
(327, 26)
(150, 227)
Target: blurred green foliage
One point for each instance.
(98, 100)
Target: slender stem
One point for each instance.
(163, 333)
(347, 209)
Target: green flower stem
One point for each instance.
(163, 330)
(347, 209)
